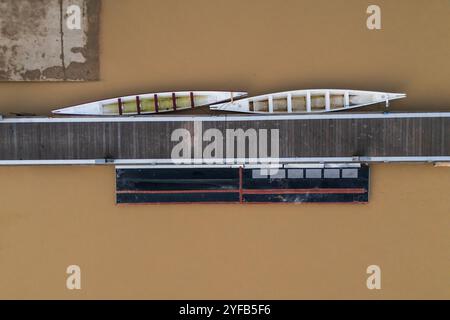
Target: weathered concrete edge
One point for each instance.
(232, 162)
(222, 118)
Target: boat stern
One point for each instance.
(89, 109)
(395, 96)
(239, 95)
(237, 103)
(230, 106)
(220, 106)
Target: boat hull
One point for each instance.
(308, 101)
(152, 103)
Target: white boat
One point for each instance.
(152, 103)
(308, 101)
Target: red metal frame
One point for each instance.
(174, 101)
(138, 104)
(120, 105)
(306, 191)
(156, 104)
(192, 100)
(245, 203)
(243, 192)
(177, 191)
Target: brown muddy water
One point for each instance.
(53, 217)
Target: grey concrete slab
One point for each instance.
(49, 40)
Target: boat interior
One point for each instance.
(312, 102)
(155, 104)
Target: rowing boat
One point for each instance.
(308, 101)
(151, 103)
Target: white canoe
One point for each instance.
(308, 101)
(151, 103)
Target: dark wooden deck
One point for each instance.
(299, 138)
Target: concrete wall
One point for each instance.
(48, 40)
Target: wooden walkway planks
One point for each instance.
(299, 138)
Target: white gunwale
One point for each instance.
(291, 162)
